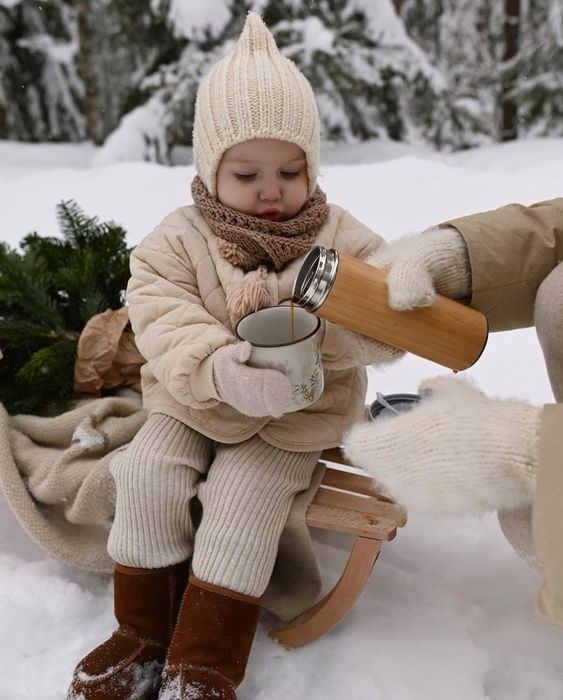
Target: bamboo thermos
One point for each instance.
(351, 293)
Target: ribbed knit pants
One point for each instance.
(246, 498)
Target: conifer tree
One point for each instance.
(48, 291)
(40, 89)
(463, 39)
(121, 43)
(538, 65)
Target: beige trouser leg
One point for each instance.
(156, 478)
(548, 319)
(547, 521)
(246, 501)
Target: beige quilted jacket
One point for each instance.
(178, 309)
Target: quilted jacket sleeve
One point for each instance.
(174, 331)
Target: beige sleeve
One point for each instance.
(355, 238)
(173, 330)
(511, 251)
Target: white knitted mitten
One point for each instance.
(434, 261)
(254, 392)
(458, 452)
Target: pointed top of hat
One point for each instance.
(255, 35)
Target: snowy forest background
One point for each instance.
(450, 74)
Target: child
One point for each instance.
(257, 211)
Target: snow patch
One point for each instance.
(139, 136)
(192, 19)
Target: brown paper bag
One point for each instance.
(107, 356)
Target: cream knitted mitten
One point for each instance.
(457, 453)
(435, 261)
(253, 392)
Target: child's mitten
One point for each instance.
(254, 392)
(458, 452)
(434, 261)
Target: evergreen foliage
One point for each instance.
(47, 294)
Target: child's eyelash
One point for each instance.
(250, 176)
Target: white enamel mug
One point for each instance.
(269, 332)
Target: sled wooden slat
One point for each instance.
(335, 454)
(361, 504)
(351, 522)
(352, 481)
(345, 502)
(348, 481)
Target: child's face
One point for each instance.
(263, 177)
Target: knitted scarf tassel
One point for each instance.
(252, 295)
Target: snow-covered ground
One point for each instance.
(448, 612)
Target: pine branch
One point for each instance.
(47, 295)
(76, 227)
(26, 332)
(24, 284)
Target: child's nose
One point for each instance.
(270, 192)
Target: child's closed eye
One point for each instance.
(290, 173)
(245, 176)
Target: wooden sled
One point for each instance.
(345, 502)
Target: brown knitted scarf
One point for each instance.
(249, 241)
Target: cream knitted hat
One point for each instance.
(254, 92)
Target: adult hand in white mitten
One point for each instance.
(434, 261)
(457, 452)
(252, 391)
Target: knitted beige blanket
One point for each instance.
(54, 475)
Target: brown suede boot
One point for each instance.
(128, 665)
(209, 651)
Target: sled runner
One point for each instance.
(345, 502)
